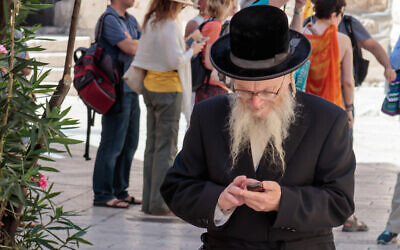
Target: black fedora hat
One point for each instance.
(260, 46)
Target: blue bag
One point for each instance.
(390, 105)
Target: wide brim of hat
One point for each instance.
(187, 2)
(221, 60)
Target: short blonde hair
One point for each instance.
(218, 8)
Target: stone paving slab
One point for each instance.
(131, 229)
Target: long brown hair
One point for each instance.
(162, 10)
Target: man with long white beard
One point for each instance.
(266, 167)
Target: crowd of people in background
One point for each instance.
(161, 48)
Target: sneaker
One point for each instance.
(353, 225)
(386, 238)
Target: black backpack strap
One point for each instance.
(349, 29)
(100, 25)
(90, 123)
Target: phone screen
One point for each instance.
(203, 39)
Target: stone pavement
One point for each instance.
(131, 229)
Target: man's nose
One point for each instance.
(256, 102)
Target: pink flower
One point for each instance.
(43, 182)
(3, 50)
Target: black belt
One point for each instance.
(214, 243)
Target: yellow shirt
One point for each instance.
(162, 82)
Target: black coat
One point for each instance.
(317, 185)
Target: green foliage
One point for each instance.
(30, 135)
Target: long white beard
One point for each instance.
(270, 131)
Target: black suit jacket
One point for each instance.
(317, 185)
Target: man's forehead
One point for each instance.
(259, 84)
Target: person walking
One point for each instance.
(389, 235)
(365, 41)
(120, 126)
(266, 167)
(167, 91)
(331, 69)
(331, 57)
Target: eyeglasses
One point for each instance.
(265, 95)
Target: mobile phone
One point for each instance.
(202, 39)
(255, 187)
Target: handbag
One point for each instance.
(134, 78)
(390, 105)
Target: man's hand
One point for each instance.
(351, 118)
(128, 35)
(390, 74)
(266, 201)
(232, 195)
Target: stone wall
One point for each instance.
(92, 9)
(366, 6)
(375, 15)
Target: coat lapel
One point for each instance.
(244, 165)
(296, 131)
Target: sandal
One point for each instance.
(353, 225)
(132, 200)
(114, 203)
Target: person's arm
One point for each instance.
(297, 19)
(211, 30)
(376, 49)
(113, 34)
(129, 45)
(278, 3)
(346, 67)
(329, 201)
(191, 26)
(169, 37)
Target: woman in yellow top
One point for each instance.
(167, 92)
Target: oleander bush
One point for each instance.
(30, 129)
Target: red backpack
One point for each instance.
(95, 75)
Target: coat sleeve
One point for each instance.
(186, 188)
(329, 201)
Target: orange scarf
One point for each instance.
(324, 75)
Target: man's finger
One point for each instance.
(251, 195)
(235, 190)
(239, 180)
(270, 185)
(232, 199)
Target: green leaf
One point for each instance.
(49, 169)
(65, 141)
(84, 241)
